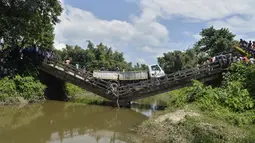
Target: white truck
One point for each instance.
(121, 78)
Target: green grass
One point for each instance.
(78, 95)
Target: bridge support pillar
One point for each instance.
(55, 87)
(124, 104)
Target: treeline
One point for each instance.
(213, 42)
(29, 24)
(94, 57)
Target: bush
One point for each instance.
(26, 87)
(78, 95)
(73, 90)
(233, 101)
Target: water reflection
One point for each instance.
(54, 122)
(146, 109)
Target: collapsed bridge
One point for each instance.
(131, 92)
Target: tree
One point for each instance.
(27, 22)
(173, 61)
(94, 57)
(212, 43)
(216, 41)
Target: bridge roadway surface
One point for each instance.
(131, 92)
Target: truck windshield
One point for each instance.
(155, 68)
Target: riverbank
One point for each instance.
(78, 95)
(204, 114)
(20, 90)
(187, 126)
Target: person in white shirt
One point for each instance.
(67, 61)
(251, 60)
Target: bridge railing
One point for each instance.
(195, 73)
(86, 76)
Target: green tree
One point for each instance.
(216, 41)
(178, 60)
(94, 57)
(212, 43)
(27, 22)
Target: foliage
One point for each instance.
(26, 87)
(221, 114)
(29, 21)
(73, 90)
(90, 99)
(244, 74)
(95, 57)
(24, 23)
(216, 41)
(178, 60)
(212, 43)
(79, 95)
(233, 96)
(233, 101)
(193, 130)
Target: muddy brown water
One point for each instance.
(60, 122)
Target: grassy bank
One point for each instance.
(78, 95)
(205, 114)
(17, 90)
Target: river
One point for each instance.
(61, 122)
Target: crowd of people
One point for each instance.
(248, 46)
(226, 59)
(229, 58)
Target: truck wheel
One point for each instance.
(157, 82)
(114, 87)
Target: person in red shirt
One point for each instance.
(246, 60)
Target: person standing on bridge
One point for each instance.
(77, 66)
(67, 61)
(241, 43)
(246, 61)
(250, 44)
(84, 69)
(117, 68)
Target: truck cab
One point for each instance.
(155, 71)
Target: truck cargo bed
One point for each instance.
(115, 75)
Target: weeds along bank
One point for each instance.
(16, 90)
(205, 114)
(78, 95)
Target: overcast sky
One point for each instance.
(145, 29)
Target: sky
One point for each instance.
(145, 29)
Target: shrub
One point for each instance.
(26, 87)
(73, 90)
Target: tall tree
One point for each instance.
(216, 41)
(29, 21)
(95, 57)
